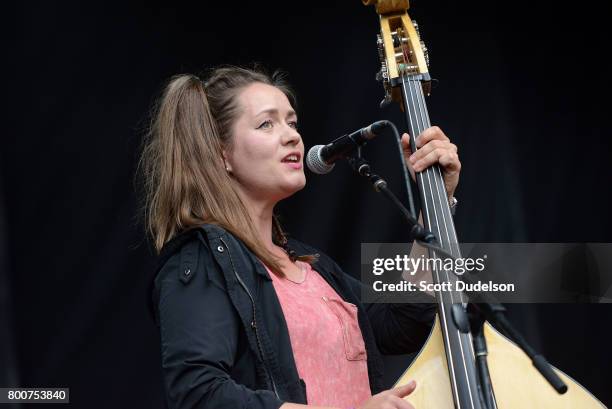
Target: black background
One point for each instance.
(521, 91)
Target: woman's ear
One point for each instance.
(228, 169)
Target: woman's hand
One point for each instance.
(391, 398)
(434, 147)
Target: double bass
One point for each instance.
(445, 368)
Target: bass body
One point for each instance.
(516, 383)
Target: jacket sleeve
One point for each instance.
(199, 338)
(399, 328)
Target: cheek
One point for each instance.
(257, 158)
(251, 155)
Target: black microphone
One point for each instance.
(321, 158)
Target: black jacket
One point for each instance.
(224, 339)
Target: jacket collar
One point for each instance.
(214, 232)
(217, 232)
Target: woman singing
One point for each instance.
(248, 317)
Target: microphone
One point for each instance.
(321, 158)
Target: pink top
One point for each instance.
(327, 343)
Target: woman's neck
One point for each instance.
(261, 212)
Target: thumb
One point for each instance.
(404, 390)
(407, 152)
(406, 144)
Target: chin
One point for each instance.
(301, 184)
(291, 188)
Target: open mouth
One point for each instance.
(292, 158)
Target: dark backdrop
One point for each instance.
(521, 91)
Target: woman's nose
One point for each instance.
(291, 136)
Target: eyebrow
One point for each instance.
(275, 111)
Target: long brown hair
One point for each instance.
(185, 180)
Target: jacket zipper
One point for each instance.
(253, 323)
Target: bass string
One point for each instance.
(448, 224)
(409, 103)
(421, 122)
(418, 124)
(441, 193)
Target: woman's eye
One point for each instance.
(293, 124)
(265, 125)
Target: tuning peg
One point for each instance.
(425, 52)
(380, 46)
(386, 101)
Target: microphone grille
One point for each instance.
(315, 163)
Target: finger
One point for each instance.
(430, 134)
(400, 403)
(404, 390)
(450, 162)
(451, 159)
(430, 146)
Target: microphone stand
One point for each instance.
(417, 233)
(472, 318)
